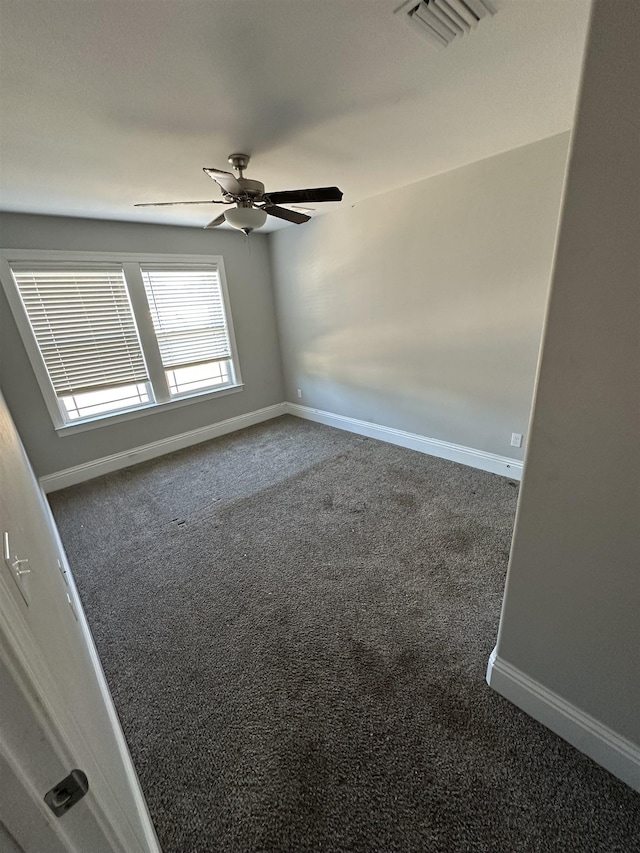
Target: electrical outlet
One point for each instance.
(299, 393)
(516, 439)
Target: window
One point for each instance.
(188, 316)
(114, 340)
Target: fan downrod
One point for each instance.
(239, 161)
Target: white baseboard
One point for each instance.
(107, 464)
(434, 447)
(491, 462)
(613, 752)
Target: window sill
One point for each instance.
(150, 409)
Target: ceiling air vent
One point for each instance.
(443, 21)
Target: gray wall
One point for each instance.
(251, 297)
(572, 604)
(422, 309)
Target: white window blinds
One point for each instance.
(188, 315)
(84, 327)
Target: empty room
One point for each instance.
(319, 464)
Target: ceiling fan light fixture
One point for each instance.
(246, 193)
(245, 219)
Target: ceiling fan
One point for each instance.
(251, 203)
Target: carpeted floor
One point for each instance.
(295, 624)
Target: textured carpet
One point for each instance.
(295, 624)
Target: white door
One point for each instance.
(56, 713)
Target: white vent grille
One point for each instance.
(444, 21)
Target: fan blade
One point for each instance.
(313, 195)
(227, 181)
(215, 222)
(283, 213)
(170, 203)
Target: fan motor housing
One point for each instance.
(254, 189)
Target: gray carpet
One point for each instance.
(295, 624)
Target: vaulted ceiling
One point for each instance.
(110, 102)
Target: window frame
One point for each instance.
(131, 264)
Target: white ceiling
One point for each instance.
(110, 102)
